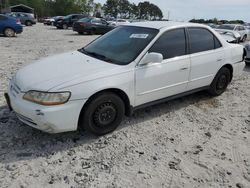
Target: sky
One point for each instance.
(185, 10)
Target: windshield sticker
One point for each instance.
(139, 36)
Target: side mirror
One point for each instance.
(152, 58)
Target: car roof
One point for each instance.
(163, 24)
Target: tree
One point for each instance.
(111, 8)
(149, 11)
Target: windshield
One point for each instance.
(228, 27)
(122, 45)
(67, 17)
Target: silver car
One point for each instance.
(25, 18)
(235, 27)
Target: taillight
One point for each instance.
(82, 24)
(18, 21)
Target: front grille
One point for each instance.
(26, 119)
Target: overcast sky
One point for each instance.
(184, 10)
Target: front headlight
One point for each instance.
(47, 98)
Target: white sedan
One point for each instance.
(131, 67)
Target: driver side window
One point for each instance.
(171, 44)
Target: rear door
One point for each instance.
(207, 56)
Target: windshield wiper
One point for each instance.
(96, 55)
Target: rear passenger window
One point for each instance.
(171, 44)
(202, 40)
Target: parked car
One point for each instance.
(238, 28)
(126, 69)
(57, 19)
(92, 26)
(25, 18)
(229, 36)
(247, 47)
(10, 26)
(49, 21)
(68, 21)
(118, 22)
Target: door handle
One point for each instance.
(218, 60)
(184, 68)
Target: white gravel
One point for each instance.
(194, 141)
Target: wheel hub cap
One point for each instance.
(105, 114)
(222, 82)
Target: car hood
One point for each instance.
(57, 70)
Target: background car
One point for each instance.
(10, 26)
(49, 21)
(119, 22)
(68, 21)
(57, 19)
(92, 25)
(25, 18)
(247, 47)
(235, 27)
(229, 36)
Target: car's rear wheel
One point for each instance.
(65, 26)
(220, 82)
(9, 32)
(103, 114)
(28, 23)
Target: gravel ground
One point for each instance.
(194, 141)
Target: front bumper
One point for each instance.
(51, 119)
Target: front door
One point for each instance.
(158, 81)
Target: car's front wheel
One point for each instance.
(103, 113)
(28, 23)
(220, 82)
(8, 32)
(244, 38)
(65, 26)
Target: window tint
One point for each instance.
(202, 40)
(171, 44)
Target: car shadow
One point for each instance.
(20, 142)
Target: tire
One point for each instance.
(220, 82)
(65, 26)
(103, 114)
(244, 38)
(80, 33)
(28, 23)
(92, 31)
(9, 32)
